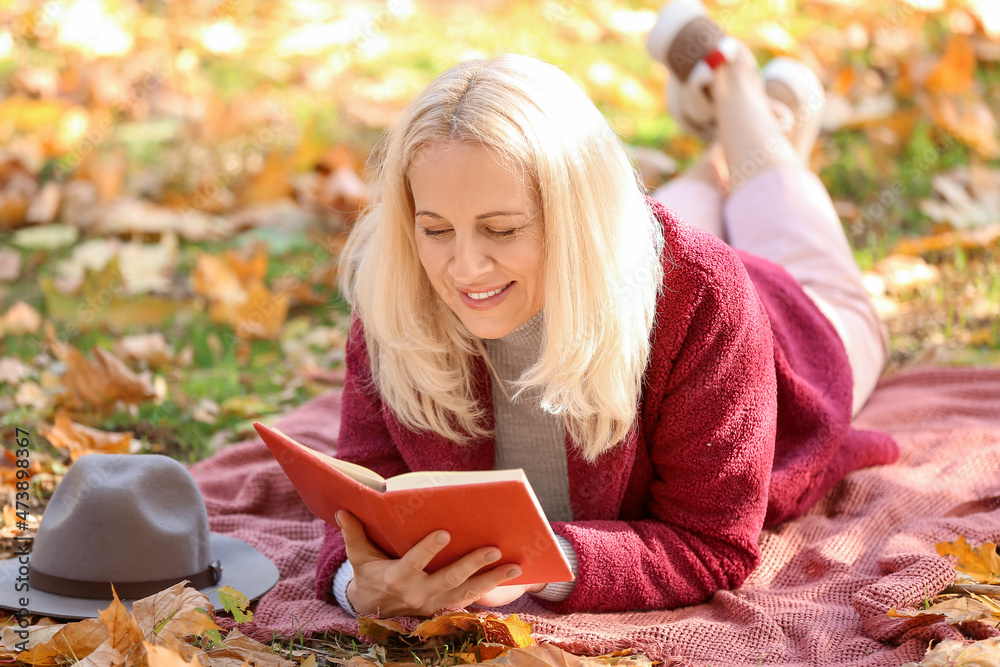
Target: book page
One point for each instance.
(429, 478)
(361, 474)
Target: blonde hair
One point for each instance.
(602, 267)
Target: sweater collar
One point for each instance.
(529, 335)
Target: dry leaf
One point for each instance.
(238, 650)
(161, 656)
(151, 348)
(507, 630)
(127, 215)
(173, 614)
(953, 610)
(102, 656)
(44, 205)
(80, 440)
(951, 653)
(14, 371)
(30, 394)
(101, 382)
(979, 564)
(379, 629)
(73, 642)
(124, 635)
(550, 655)
(955, 71)
(37, 634)
(10, 264)
(19, 320)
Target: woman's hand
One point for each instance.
(400, 587)
(501, 595)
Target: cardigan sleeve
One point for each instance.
(364, 439)
(710, 398)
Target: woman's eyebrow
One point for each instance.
(482, 216)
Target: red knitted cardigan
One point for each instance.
(744, 422)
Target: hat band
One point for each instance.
(81, 588)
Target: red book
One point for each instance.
(478, 508)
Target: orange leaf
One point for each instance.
(73, 642)
(982, 564)
(124, 634)
(161, 656)
(80, 440)
(955, 71)
(379, 629)
(19, 320)
(101, 382)
(506, 630)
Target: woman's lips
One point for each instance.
(486, 304)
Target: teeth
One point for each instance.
(478, 296)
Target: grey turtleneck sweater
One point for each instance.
(526, 437)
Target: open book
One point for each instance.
(478, 508)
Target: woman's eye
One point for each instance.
(504, 234)
(433, 232)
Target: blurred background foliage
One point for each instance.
(176, 180)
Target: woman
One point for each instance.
(519, 302)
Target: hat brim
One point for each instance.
(243, 568)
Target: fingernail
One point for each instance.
(513, 572)
(442, 538)
(492, 556)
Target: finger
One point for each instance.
(359, 548)
(424, 551)
(455, 575)
(477, 587)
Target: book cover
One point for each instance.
(502, 513)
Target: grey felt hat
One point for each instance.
(137, 521)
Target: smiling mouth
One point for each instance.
(479, 296)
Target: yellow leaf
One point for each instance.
(506, 630)
(161, 656)
(952, 653)
(379, 629)
(982, 563)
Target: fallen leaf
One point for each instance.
(953, 610)
(79, 440)
(30, 394)
(507, 630)
(128, 216)
(19, 320)
(124, 635)
(37, 634)
(150, 348)
(10, 264)
(979, 564)
(955, 72)
(44, 205)
(952, 653)
(238, 650)
(379, 629)
(173, 614)
(101, 382)
(14, 371)
(45, 237)
(550, 655)
(236, 604)
(74, 641)
(161, 656)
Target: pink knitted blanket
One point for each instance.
(825, 581)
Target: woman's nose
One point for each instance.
(471, 259)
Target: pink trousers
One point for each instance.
(785, 215)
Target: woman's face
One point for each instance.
(479, 236)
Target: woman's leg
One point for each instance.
(696, 195)
(780, 210)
